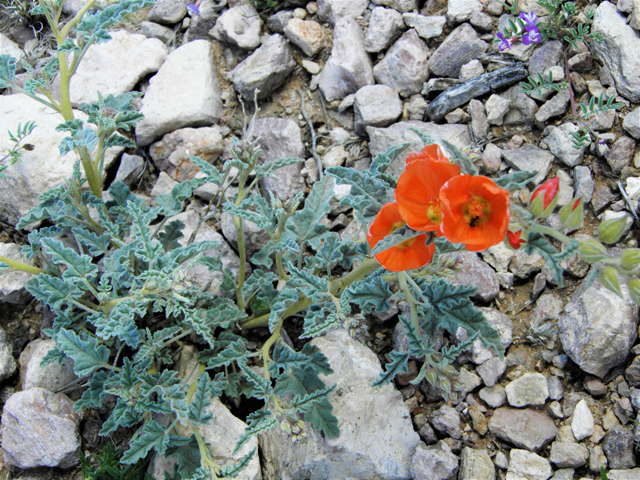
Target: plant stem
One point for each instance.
(552, 232)
(243, 259)
(23, 267)
(267, 346)
(402, 280)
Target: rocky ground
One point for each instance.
(565, 399)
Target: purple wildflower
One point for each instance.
(531, 36)
(193, 8)
(530, 19)
(504, 43)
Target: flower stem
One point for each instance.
(552, 232)
(23, 267)
(402, 280)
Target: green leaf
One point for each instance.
(122, 415)
(449, 307)
(262, 387)
(398, 365)
(170, 389)
(121, 323)
(212, 173)
(152, 436)
(78, 267)
(316, 359)
(86, 138)
(258, 422)
(262, 258)
(54, 291)
(235, 469)
(245, 214)
(171, 204)
(93, 26)
(7, 71)
(305, 224)
(267, 169)
(396, 238)
(371, 294)
(200, 401)
(87, 355)
(318, 411)
(460, 159)
(233, 352)
(96, 244)
(71, 126)
(181, 254)
(170, 234)
(516, 180)
(283, 301)
(320, 320)
(538, 242)
(310, 284)
(384, 159)
(93, 396)
(418, 345)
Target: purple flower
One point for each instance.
(504, 43)
(193, 8)
(530, 19)
(531, 36)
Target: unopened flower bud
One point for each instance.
(610, 231)
(544, 198)
(514, 240)
(609, 278)
(592, 251)
(572, 213)
(630, 260)
(634, 289)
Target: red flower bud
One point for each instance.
(514, 239)
(544, 198)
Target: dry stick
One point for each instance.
(573, 100)
(313, 135)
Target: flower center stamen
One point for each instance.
(476, 211)
(434, 210)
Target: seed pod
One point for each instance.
(610, 231)
(634, 289)
(592, 251)
(630, 260)
(609, 278)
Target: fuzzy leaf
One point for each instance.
(53, 291)
(516, 180)
(200, 401)
(78, 267)
(398, 365)
(7, 71)
(121, 323)
(170, 389)
(384, 159)
(171, 204)
(305, 224)
(460, 158)
(318, 411)
(309, 283)
(235, 469)
(395, 239)
(258, 422)
(96, 244)
(170, 234)
(263, 258)
(267, 169)
(320, 320)
(92, 397)
(233, 352)
(86, 138)
(122, 415)
(262, 387)
(283, 301)
(418, 345)
(245, 214)
(152, 436)
(537, 242)
(212, 173)
(87, 355)
(370, 294)
(181, 254)
(426, 139)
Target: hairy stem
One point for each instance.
(23, 267)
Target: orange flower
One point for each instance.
(418, 190)
(410, 254)
(475, 212)
(514, 239)
(430, 152)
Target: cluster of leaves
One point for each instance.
(542, 83)
(563, 22)
(15, 154)
(106, 465)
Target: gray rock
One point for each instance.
(8, 364)
(239, 26)
(265, 69)
(471, 70)
(40, 429)
(434, 463)
(598, 329)
(175, 100)
(491, 370)
(527, 465)
(167, 11)
(417, 107)
(618, 50)
(377, 439)
(459, 11)
(559, 143)
(308, 35)
(529, 157)
(545, 56)
(481, 20)
(130, 170)
(492, 158)
(493, 396)
(479, 123)
(385, 26)
(382, 138)
(496, 107)
(568, 455)
(523, 107)
(171, 154)
(556, 390)
(619, 448)
(460, 46)
(280, 138)
(583, 183)
(631, 123)
(399, 5)
(116, 66)
(19, 192)
(621, 154)
(9, 47)
(446, 420)
(425, 26)
(473, 272)
(404, 67)
(623, 474)
(555, 107)
(53, 376)
(529, 389)
(597, 459)
(524, 428)
(475, 464)
(349, 67)
(376, 106)
(254, 237)
(13, 282)
(623, 410)
(278, 20)
(154, 30)
(201, 24)
(332, 11)
(555, 410)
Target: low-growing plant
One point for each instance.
(106, 465)
(118, 274)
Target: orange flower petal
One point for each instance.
(418, 192)
(412, 254)
(476, 212)
(430, 152)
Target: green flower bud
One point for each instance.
(634, 289)
(610, 231)
(571, 214)
(630, 259)
(609, 278)
(592, 251)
